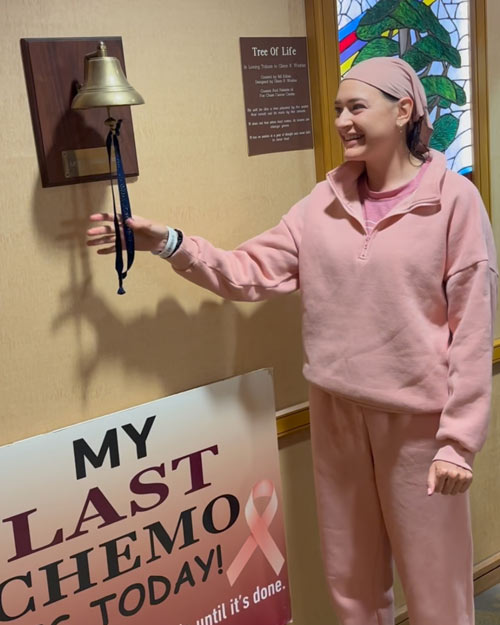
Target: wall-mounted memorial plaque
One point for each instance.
(276, 89)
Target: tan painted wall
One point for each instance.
(71, 348)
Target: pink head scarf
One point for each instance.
(397, 78)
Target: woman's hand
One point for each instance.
(448, 478)
(148, 235)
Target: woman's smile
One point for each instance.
(352, 140)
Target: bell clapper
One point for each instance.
(110, 121)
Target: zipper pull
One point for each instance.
(364, 249)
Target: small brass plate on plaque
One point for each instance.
(86, 162)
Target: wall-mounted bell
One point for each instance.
(104, 83)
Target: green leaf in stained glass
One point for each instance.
(445, 131)
(372, 31)
(444, 104)
(444, 87)
(417, 59)
(436, 50)
(461, 95)
(379, 11)
(383, 46)
(418, 16)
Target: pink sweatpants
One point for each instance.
(371, 487)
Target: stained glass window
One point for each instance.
(431, 35)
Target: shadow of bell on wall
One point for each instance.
(70, 124)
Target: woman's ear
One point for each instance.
(405, 110)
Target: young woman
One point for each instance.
(397, 269)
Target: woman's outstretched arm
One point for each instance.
(258, 269)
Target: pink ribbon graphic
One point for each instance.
(259, 532)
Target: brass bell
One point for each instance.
(104, 83)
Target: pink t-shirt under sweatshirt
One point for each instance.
(378, 204)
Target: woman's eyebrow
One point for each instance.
(350, 101)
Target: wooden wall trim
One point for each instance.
(496, 350)
(480, 124)
(292, 420)
(324, 65)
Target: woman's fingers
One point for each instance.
(457, 488)
(100, 230)
(440, 480)
(448, 485)
(109, 238)
(450, 479)
(103, 235)
(148, 235)
(465, 484)
(107, 250)
(104, 217)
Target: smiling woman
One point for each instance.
(332, 52)
(371, 128)
(395, 261)
(395, 121)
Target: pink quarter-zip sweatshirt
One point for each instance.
(400, 319)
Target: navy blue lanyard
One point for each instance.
(112, 140)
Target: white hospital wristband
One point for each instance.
(170, 245)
